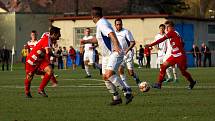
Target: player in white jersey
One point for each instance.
(89, 53)
(112, 56)
(127, 42)
(164, 52)
(32, 43)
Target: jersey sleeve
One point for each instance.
(106, 29)
(129, 36)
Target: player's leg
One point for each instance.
(122, 75)
(175, 73)
(28, 78)
(109, 85)
(170, 61)
(182, 65)
(86, 64)
(45, 66)
(115, 60)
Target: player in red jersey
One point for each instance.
(39, 59)
(177, 55)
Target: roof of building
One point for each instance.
(2, 6)
(73, 18)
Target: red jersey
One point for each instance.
(176, 43)
(72, 52)
(38, 53)
(147, 51)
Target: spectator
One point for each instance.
(65, 55)
(60, 58)
(147, 52)
(196, 55)
(72, 54)
(5, 55)
(141, 56)
(82, 57)
(24, 53)
(207, 54)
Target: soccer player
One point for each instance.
(89, 53)
(112, 56)
(164, 51)
(39, 58)
(177, 55)
(127, 42)
(33, 42)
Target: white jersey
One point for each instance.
(162, 47)
(31, 44)
(103, 28)
(88, 45)
(125, 37)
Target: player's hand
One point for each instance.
(82, 41)
(117, 49)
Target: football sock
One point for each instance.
(174, 73)
(136, 79)
(187, 75)
(123, 78)
(87, 69)
(168, 72)
(53, 79)
(45, 81)
(112, 89)
(118, 83)
(27, 85)
(162, 73)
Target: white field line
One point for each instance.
(98, 85)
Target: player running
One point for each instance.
(39, 59)
(177, 56)
(164, 52)
(127, 42)
(112, 56)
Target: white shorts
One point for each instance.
(166, 57)
(111, 62)
(160, 60)
(128, 61)
(89, 56)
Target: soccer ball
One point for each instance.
(144, 86)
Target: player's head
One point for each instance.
(54, 34)
(34, 35)
(96, 14)
(169, 25)
(118, 24)
(87, 32)
(162, 28)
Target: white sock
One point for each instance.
(118, 83)
(174, 73)
(123, 78)
(168, 72)
(87, 69)
(112, 89)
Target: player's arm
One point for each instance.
(114, 41)
(167, 36)
(93, 40)
(132, 41)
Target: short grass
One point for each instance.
(80, 99)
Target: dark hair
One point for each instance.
(96, 12)
(87, 28)
(34, 31)
(118, 19)
(54, 29)
(170, 23)
(162, 25)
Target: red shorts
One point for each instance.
(41, 66)
(72, 58)
(181, 61)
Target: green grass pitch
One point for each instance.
(80, 99)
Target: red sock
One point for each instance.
(162, 73)
(53, 79)
(27, 85)
(44, 82)
(187, 76)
